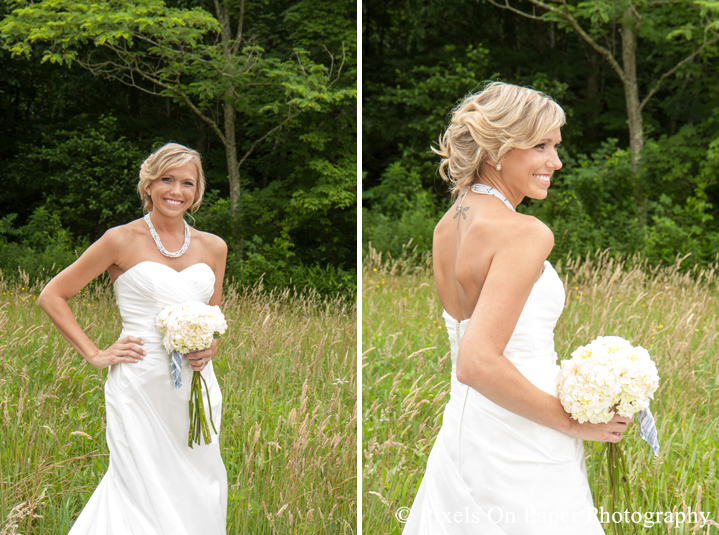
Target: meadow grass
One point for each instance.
(669, 311)
(287, 370)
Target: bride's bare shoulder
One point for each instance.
(524, 235)
(511, 231)
(215, 245)
(123, 234)
(518, 226)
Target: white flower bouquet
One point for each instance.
(191, 327)
(606, 377)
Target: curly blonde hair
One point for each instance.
(486, 125)
(169, 156)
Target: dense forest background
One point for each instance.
(639, 83)
(89, 89)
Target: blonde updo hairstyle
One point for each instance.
(168, 157)
(486, 125)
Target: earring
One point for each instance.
(498, 167)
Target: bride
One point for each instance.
(508, 459)
(155, 483)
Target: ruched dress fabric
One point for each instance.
(156, 484)
(493, 472)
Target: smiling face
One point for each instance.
(174, 191)
(527, 172)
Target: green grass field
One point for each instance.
(287, 369)
(673, 314)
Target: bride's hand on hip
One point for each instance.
(199, 359)
(612, 431)
(125, 350)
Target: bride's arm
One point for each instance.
(218, 251)
(217, 254)
(481, 363)
(54, 297)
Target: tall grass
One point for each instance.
(672, 313)
(287, 369)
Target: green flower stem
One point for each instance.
(618, 482)
(198, 420)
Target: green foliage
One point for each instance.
(404, 112)
(273, 265)
(680, 230)
(186, 55)
(402, 212)
(69, 25)
(45, 248)
(87, 177)
(261, 252)
(6, 227)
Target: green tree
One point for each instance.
(188, 55)
(679, 31)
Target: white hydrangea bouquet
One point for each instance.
(606, 377)
(191, 327)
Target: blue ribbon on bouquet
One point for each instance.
(648, 429)
(176, 368)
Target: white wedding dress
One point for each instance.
(494, 472)
(155, 483)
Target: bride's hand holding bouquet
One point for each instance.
(192, 328)
(607, 382)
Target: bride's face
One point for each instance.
(528, 171)
(173, 192)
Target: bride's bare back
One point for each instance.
(486, 261)
(466, 241)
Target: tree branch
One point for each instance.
(240, 28)
(129, 69)
(574, 24)
(515, 10)
(339, 69)
(675, 69)
(247, 154)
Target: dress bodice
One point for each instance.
(145, 289)
(531, 345)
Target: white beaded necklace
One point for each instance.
(158, 242)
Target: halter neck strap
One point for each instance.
(489, 190)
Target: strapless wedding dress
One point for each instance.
(493, 472)
(155, 483)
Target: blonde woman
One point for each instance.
(508, 458)
(155, 483)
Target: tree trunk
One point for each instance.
(233, 171)
(634, 110)
(231, 151)
(593, 83)
(631, 88)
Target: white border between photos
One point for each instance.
(359, 267)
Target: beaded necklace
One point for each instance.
(158, 242)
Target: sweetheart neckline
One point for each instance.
(161, 264)
(448, 315)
